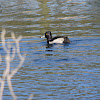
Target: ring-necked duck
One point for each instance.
(57, 39)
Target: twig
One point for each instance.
(9, 58)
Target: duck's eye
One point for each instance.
(46, 34)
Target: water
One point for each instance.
(59, 71)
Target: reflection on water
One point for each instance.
(68, 71)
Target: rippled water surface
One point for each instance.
(59, 71)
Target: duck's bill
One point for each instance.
(42, 36)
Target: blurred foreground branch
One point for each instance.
(10, 50)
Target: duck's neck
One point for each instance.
(49, 39)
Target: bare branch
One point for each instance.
(3, 39)
(10, 55)
(11, 88)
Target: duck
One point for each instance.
(57, 39)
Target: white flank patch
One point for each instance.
(59, 40)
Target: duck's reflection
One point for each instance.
(53, 49)
(49, 45)
(49, 50)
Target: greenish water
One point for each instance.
(57, 72)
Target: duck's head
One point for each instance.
(48, 35)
